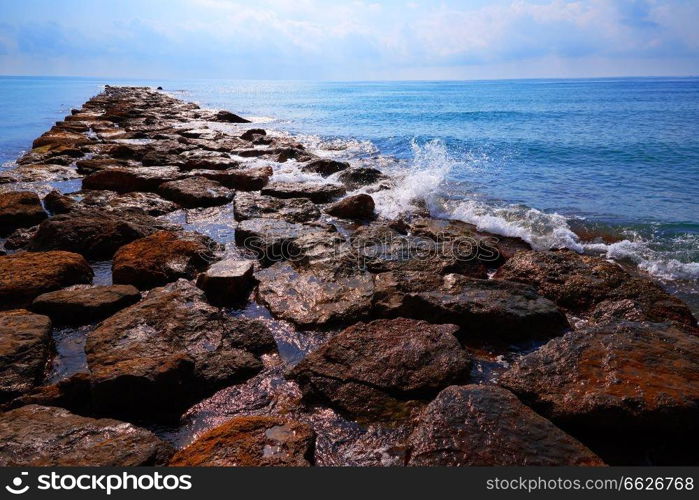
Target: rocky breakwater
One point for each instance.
(249, 318)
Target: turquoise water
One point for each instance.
(534, 158)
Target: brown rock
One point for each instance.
(252, 133)
(254, 205)
(19, 209)
(25, 275)
(125, 180)
(194, 192)
(43, 436)
(251, 442)
(149, 203)
(57, 203)
(325, 167)
(354, 178)
(317, 193)
(163, 257)
(360, 206)
(228, 281)
(58, 138)
(477, 425)
(24, 350)
(85, 305)
(252, 179)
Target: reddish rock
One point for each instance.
(252, 179)
(57, 203)
(360, 206)
(194, 192)
(19, 209)
(40, 436)
(372, 370)
(163, 257)
(477, 425)
(24, 350)
(228, 281)
(251, 442)
(125, 180)
(85, 305)
(25, 275)
(59, 138)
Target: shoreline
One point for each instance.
(252, 311)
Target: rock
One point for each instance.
(57, 203)
(39, 173)
(85, 305)
(314, 300)
(227, 116)
(93, 233)
(360, 206)
(325, 167)
(228, 281)
(125, 180)
(580, 283)
(252, 133)
(371, 369)
(317, 193)
(477, 425)
(56, 138)
(216, 163)
(251, 442)
(293, 153)
(20, 238)
(24, 350)
(156, 358)
(149, 203)
(163, 257)
(19, 209)
(43, 436)
(355, 178)
(254, 205)
(194, 192)
(492, 309)
(25, 275)
(92, 165)
(252, 179)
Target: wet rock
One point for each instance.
(93, 233)
(317, 193)
(314, 300)
(57, 138)
(360, 206)
(251, 442)
(125, 180)
(149, 203)
(476, 425)
(24, 350)
(211, 163)
(92, 165)
(580, 283)
(254, 205)
(43, 436)
(39, 173)
(25, 275)
(163, 257)
(20, 238)
(156, 358)
(252, 179)
(371, 369)
(19, 209)
(194, 192)
(252, 133)
(614, 385)
(355, 178)
(325, 167)
(227, 116)
(297, 153)
(492, 309)
(228, 281)
(57, 203)
(85, 305)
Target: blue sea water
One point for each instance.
(534, 158)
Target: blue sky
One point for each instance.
(349, 40)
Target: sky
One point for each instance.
(349, 39)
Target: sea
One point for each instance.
(603, 166)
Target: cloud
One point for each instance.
(349, 39)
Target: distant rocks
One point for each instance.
(85, 305)
(24, 350)
(372, 370)
(25, 275)
(19, 209)
(251, 442)
(227, 116)
(40, 436)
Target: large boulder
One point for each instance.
(19, 209)
(316, 192)
(255, 205)
(43, 436)
(55, 138)
(228, 281)
(96, 234)
(127, 179)
(626, 382)
(24, 349)
(479, 425)
(375, 370)
(252, 179)
(251, 442)
(149, 203)
(156, 358)
(314, 300)
(194, 192)
(360, 206)
(163, 257)
(85, 305)
(25, 275)
(491, 309)
(581, 283)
